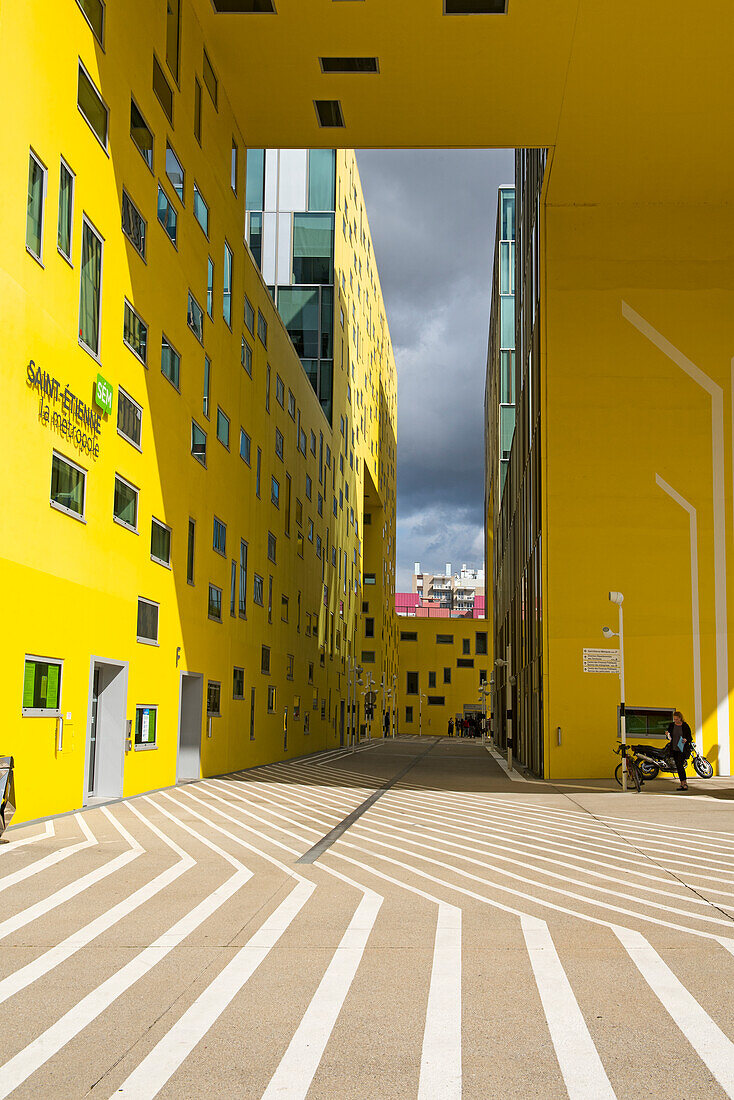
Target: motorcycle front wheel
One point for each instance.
(703, 767)
(648, 771)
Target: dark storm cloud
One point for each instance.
(432, 217)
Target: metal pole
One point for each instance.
(420, 714)
(622, 716)
(509, 708)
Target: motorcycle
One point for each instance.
(651, 761)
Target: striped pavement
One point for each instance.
(465, 935)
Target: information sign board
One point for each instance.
(601, 660)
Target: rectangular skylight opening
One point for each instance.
(349, 65)
(244, 7)
(329, 112)
(475, 7)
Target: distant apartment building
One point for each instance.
(444, 595)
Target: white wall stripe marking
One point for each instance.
(583, 1073)
(292, 1079)
(707, 1039)
(158, 1067)
(440, 1076)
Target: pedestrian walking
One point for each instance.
(451, 727)
(681, 740)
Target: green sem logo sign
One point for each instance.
(103, 394)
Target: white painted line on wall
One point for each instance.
(717, 463)
(292, 1079)
(707, 1039)
(695, 611)
(440, 1075)
(50, 860)
(158, 1067)
(583, 1073)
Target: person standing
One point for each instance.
(681, 740)
(451, 727)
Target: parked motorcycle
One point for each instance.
(651, 761)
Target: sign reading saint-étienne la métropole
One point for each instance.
(601, 660)
(103, 394)
(76, 421)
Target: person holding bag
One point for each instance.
(681, 740)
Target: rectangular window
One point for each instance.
(175, 172)
(270, 598)
(170, 361)
(41, 687)
(141, 134)
(291, 405)
(408, 636)
(201, 210)
(411, 679)
(125, 503)
(272, 546)
(275, 492)
(309, 487)
(215, 603)
(147, 630)
(466, 645)
(465, 662)
(262, 329)
(243, 578)
(233, 167)
(90, 286)
(135, 333)
(436, 700)
(197, 110)
(210, 287)
(167, 215)
(408, 714)
(246, 357)
(195, 318)
(92, 106)
(284, 608)
(162, 89)
(133, 224)
(481, 643)
(233, 589)
(213, 699)
(431, 679)
(267, 388)
(66, 209)
(68, 486)
(279, 443)
(173, 36)
(222, 428)
(94, 14)
(227, 285)
(190, 552)
(129, 418)
(198, 443)
(447, 675)
(160, 542)
(249, 316)
(257, 472)
(207, 386)
(369, 628)
(219, 539)
(252, 714)
(368, 656)
(369, 578)
(265, 659)
(444, 639)
(279, 391)
(146, 727)
(257, 589)
(271, 698)
(245, 446)
(209, 78)
(238, 683)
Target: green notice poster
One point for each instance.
(29, 682)
(52, 689)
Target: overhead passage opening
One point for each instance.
(349, 65)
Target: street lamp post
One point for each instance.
(421, 697)
(483, 693)
(510, 682)
(394, 703)
(618, 598)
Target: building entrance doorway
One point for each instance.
(188, 764)
(105, 753)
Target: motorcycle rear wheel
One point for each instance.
(648, 771)
(703, 767)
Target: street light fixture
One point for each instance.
(511, 681)
(618, 599)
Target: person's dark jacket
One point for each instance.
(684, 731)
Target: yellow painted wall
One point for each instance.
(70, 589)
(425, 655)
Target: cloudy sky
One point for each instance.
(432, 217)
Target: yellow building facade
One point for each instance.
(444, 665)
(182, 572)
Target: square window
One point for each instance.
(42, 687)
(238, 683)
(147, 630)
(215, 603)
(135, 333)
(160, 542)
(219, 539)
(125, 503)
(68, 486)
(222, 428)
(213, 699)
(146, 727)
(198, 443)
(129, 418)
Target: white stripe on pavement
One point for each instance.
(293, 1077)
(511, 774)
(50, 860)
(583, 1073)
(158, 1067)
(9, 845)
(440, 1076)
(707, 1039)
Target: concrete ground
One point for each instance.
(469, 934)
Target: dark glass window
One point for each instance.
(313, 248)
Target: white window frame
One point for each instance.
(139, 638)
(161, 561)
(126, 395)
(60, 507)
(132, 309)
(44, 171)
(96, 354)
(104, 21)
(44, 712)
(149, 745)
(198, 458)
(63, 164)
(122, 522)
(213, 618)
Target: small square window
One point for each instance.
(146, 727)
(125, 503)
(68, 486)
(147, 630)
(129, 418)
(42, 687)
(160, 542)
